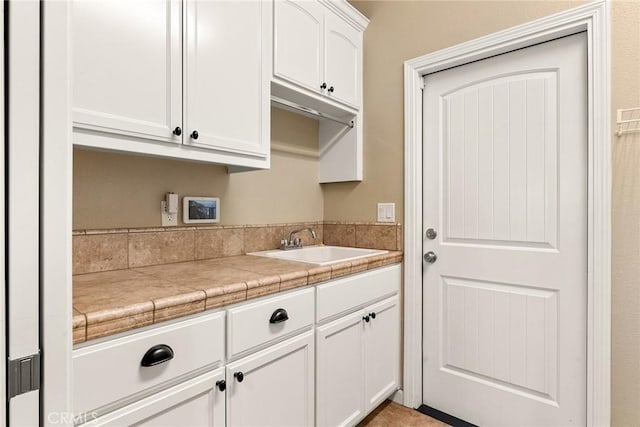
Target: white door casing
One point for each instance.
(505, 185)
(56, 211)
(592, 18)
(22, 198)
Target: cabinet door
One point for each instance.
(127, 67)
(298, 42)
(340, 380)
(382, 352)
(343, 59)
(227, 69)
(197, 402)
(276, 387)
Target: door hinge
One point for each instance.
(23, 375)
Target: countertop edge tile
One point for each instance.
(196, 299)
(79, 327)
(109, 322)
(340, 269)
(172, 307)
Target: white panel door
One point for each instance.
(3, 271)
(298, 42)
(381, 352)
(228, 74)
(274, 387)
(505, 188)
(127, 67)
(343, 58)
(340, 368)
(195, 403)
(23, 196)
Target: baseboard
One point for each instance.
(397, 397)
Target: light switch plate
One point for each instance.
(168, 220)
(386, 212)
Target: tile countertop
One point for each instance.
(111, 302)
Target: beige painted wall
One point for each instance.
(116, 191)
(400, 30)
(626, 218)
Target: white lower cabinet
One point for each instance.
(196, 403)
(381, 352)
(340, 365)
(358, 363)
(273, 387)
(280, 370)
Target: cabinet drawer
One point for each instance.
(346, 294)
(109, 371)
(250, 325)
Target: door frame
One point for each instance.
(56, 308)
(594, 19)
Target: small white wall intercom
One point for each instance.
(200, 210)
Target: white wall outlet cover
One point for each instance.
(386, 212)
(168, 220)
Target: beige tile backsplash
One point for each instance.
(219, 242)
(163, 247)
(262, 238)
(100, 252)
(106, 250)
(340, 234)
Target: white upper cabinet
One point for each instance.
(298, 40)
(343, 60)
(127, 67)
(185, 79)
(227, 77)
(317, 69)
(318, 54)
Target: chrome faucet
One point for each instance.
(296, 243)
